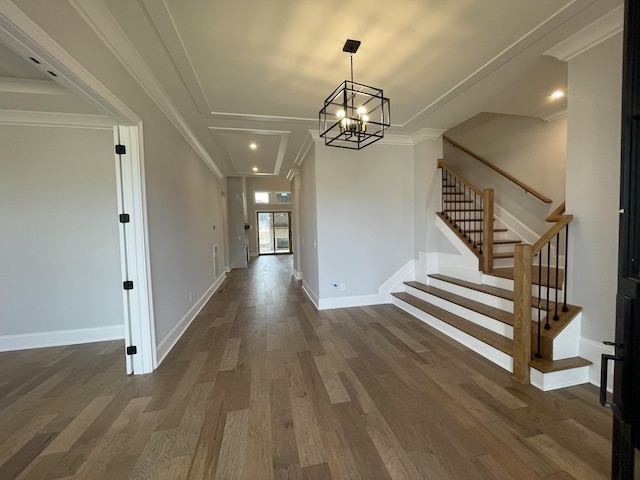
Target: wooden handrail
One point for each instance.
(556, 214)
(441, 164)
(557, 227)
(525, 187)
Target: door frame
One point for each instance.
(288, 212)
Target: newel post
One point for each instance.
(522, 313)
(487, 230)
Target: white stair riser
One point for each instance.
(475, 317)
(561, 379)
(491, 300)
(496, 356)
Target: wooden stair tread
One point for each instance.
(503, 255)
(488, 289)
(495, 230)
(493, 339)
(503, 242)
(495, 313)
(547, 366)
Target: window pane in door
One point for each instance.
(265, 233)
(281, 232)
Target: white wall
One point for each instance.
(263, 184)
(60, 258)
(531, 150)
(308, 226)
(426, 202)
(365, 217)
(593, 171)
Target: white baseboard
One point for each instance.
(297, 275)
(61, 337)
(593, 352)
(347, 302)
(312, 296)
(169, 341)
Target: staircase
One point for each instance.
(476, 307)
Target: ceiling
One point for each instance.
(243, 71)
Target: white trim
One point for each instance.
(427, 134)
(312, 296)
(304, 149)
(348, 302)
(552, 117)
(593, 352)
(32, 87)
(170, 340)
(134, 248)
(515, 225)
(602, 29)
(487, 351)
(21, 34)
(59, 338)
(395, 283)
(105, 26)
(561, 379)
(297, 275)
(55, 119)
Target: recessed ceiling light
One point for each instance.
(253, 145)
(557, 94)
(255, 169)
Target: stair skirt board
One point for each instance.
(494, 355)
(560, 379)
(478, 318)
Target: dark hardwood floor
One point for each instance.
(263, 386)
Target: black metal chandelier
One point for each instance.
(354, 115)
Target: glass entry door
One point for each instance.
(274, 232)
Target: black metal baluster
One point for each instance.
(547, 325)
(481, 225)
(564, 275)
(555, 306)
(538, 353)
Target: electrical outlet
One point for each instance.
(342, 287)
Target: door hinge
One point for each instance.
(124, 218)
(121, 149)
(132, 350)
(127, 285)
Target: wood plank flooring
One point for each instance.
(263, 386)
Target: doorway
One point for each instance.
(274, 233)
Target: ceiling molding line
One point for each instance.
(30, 86)
(505, 56)
(19, 32)
(257, 131)
(167, 34)
(100, 20)
(427, 134)
(602, 29)
(260, 118)
(284, 141)
(304, 149)
(554, 116)
(55, 119)
(292, 173)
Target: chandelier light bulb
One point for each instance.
(362, 110)
(365, 118)
(340, 114)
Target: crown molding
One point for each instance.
(55, 119)
(552, 117)
(31, 86)
(21, 34)
(427, 134)
(602, 29)
(100, 20)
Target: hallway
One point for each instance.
(264, 386)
